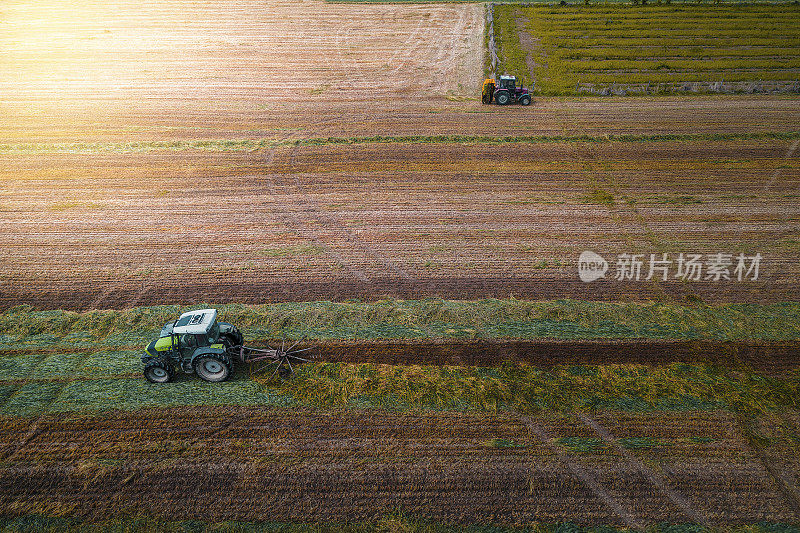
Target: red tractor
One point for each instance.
(505, 91)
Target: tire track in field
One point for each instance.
(775, 175)
(34, 428)
(294, 223)
(329, 222)
(651, 475)
(414, 52)
(783, 481)
(584, 475)
(585, 155)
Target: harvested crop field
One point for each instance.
(123, 227)
(332, 164)
(160, 153)
(306, 50)
(247, 463)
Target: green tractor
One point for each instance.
(194, 343)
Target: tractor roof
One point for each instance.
(196, 322)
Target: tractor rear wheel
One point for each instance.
(502, 97)
(159, 371)
(213, 367)
(525, 100)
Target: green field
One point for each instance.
(79, 372)
(635, 49)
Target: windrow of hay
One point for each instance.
(527, 389)
(24, 326)
(247, 145)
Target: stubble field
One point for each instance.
(253, 152)
(219, 464)
(105, 224)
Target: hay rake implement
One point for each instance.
(272, 361)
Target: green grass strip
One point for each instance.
(240, 145)
(24, 328)
(726, 48)
(66, 361)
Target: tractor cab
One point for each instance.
(191, 330)
(508, 83)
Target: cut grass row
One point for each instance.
(698, 65)
(658, 44)
(659, 53)
(526, 389)
(24, 327)
(65, 378)
(507, 388)
(238, 145)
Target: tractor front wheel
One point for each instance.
(502, 98)
(525, 100)
(213, 367)
(158, 371)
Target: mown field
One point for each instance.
(154, 155)
(65, 361)
(120, 225)
(86, 439)
(651, 49)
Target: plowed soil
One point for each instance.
(249, 463)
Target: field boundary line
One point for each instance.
(656, 479)
(581, 473)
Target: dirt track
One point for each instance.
(250, 463)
